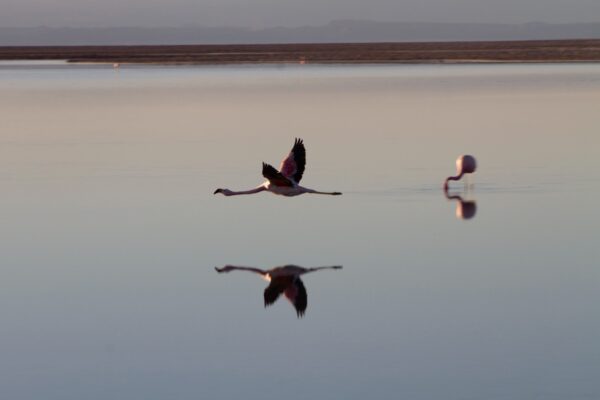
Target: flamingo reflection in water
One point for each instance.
(284, 279)
(465, 209)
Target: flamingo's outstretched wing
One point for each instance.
(272, 292)
(274, 176)
(296, 294)
(292, 167)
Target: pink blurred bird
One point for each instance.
(465, 164)
(284, 182)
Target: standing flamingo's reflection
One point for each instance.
(465, 209)
(284, 279)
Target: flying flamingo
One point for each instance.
(464, 165)
(284, 279)
(285, 181)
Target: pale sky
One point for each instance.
(269, 13)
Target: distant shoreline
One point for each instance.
(527, 51)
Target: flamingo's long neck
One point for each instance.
(453, 178)
(251, 191)
(228, 268)
(246, 192)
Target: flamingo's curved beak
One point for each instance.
(217, 191)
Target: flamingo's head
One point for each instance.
(225, 192)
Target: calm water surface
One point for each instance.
(110, 232)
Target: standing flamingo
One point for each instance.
(284, 279)
(465, 164)
(285, 181)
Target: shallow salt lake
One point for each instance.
(110, 232)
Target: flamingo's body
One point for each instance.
(465, 164)
(284, 182)
(284, 279)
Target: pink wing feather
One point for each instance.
(292, 167)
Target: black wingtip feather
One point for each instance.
(274, 176)
(302, 298)
(271, 293)
(300, 158)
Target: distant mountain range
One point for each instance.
(334, 32)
